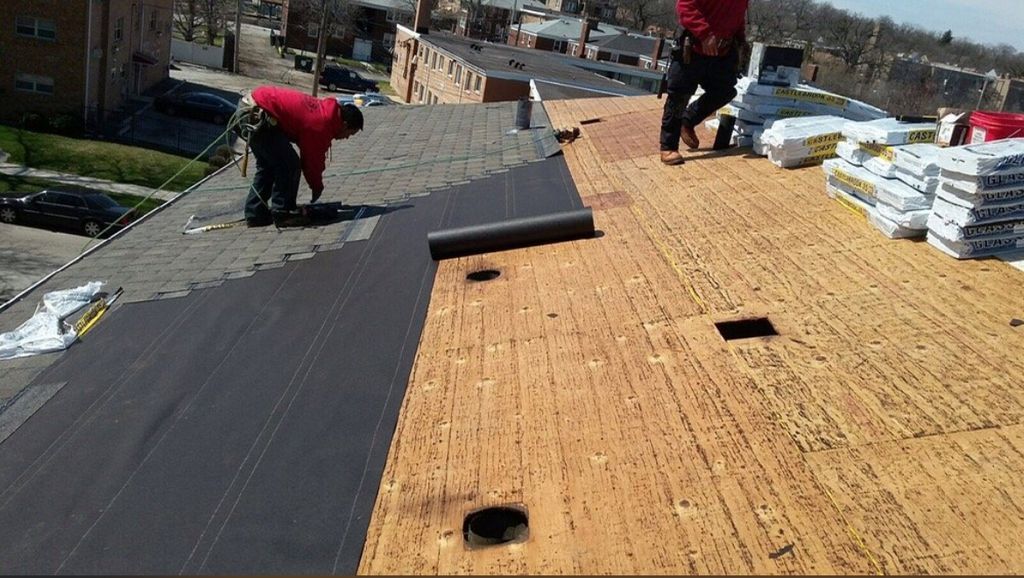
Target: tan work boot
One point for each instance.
(672, 158)
(689, 137)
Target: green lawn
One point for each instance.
(385, 88)
(102, 160)
(19, 186)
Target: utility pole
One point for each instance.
(238, 34)
(321, 46)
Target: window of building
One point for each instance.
(469, 77)
(119, 29)
(34, 83)
(391, 16)
(451, 67)
(458, 74)
(389, 40)
(35, 27)
(476, 84)
(558, 46)
(152, 21)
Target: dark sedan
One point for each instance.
(336, 78)
(201, 105)
(81, 210)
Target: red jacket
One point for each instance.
(308, 122)
(725, 18)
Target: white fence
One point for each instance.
(212, 56)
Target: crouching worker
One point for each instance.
(271, 119)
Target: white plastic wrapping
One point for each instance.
(907, 219)
(977, 248)
(991, 158)
(963, 213)
(889, 131)
(918, 159)
(951, 230)
(926, 185)
(47, 329)
(880, 167)
(851, 153)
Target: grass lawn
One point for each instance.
(20, 186)
(98, 159)
(385, 88)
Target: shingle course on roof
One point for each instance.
(629, 43)
(403, 152)
(498, 60)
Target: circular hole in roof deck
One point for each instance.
(484, 275)
(495, 526)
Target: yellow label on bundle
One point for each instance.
(859, 184)
(815, 97)
(923, 135)
(793, 113)
(877, 150)
(825, 149)
(832, 137)
(853, 207)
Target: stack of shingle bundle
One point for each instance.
(870, 144)
(892, 206)
(757, 104)
(797, 142)
(979, 206)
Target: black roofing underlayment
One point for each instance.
(241, 429)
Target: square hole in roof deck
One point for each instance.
(745, 328)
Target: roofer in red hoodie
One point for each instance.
(706, 53)
(277, 118)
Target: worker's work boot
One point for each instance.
(689, 137)
(672, 158)
(290, 219)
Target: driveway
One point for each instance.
(30, 254)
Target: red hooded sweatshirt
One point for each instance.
(309, 122)
(725, 19)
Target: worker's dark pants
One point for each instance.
(715, 74)
(276, 182)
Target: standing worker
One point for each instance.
(272, 119)
(706, 53)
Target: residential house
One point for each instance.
(440, 67)
(491, 19)
(626, 48)
(556, 35)
(80, 57)
(959, 87)
(603, 10)
(370, 35)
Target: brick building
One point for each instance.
(80, 57)
(556, 35)
(491, 19)
(369, 36)
(440, 68)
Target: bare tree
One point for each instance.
(851, 36)
(776, 21)
(322, 20)
(215, 15)
(639, 14)
(187, 18)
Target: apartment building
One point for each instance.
(80, 57)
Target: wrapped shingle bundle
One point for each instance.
(979, 207)
(794, 142)
(897, 210)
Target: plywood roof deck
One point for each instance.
(878, 433)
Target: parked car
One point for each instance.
(201, 105)
(372, 99)
(81, 210)
(336, 78)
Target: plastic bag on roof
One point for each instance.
(47, 329)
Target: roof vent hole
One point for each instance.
(484, 275)
(495, 526)
(746, 328)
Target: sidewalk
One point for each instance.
(92, 183)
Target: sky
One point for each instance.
(983, 21)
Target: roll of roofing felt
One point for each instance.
(511, 234)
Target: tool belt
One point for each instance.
(250, 118)
(684, 42)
